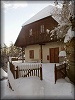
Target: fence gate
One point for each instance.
(60, 71)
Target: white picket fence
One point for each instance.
(19, 69)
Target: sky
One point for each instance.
(15, 14)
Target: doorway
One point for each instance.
(54, 55)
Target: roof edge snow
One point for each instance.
(45, 12)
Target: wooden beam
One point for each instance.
(22, 55)
(41, 53)
(41, 43)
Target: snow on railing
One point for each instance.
(25, 65)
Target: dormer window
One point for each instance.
(30, 32)
(42, 28)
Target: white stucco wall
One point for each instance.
(48, 46)
(45, 50)
(36, 49)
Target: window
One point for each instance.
(31, 54)
(42, 28)
(30, 32)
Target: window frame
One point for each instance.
(31, 54)
(42, 28)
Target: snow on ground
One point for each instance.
(6, 92)
(33, 87)
(62, 89)
(3, 73)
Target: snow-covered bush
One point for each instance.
(66, 30)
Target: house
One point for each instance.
(36, 39)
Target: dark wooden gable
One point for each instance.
(25, 39)
(20, 40)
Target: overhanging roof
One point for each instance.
(47, 11)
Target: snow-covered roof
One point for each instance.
(47, 11)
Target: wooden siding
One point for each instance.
(24, 39)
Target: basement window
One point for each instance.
(42, 28)
(31, 54)
(30, 32)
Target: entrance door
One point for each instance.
(54, 55)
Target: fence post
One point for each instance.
(14, 71)
(41, 72)
(55, 74)
(10, 85)
(38, 71)
(65, 70)
(17, 72)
